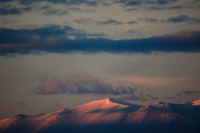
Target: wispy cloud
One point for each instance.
(84, 20)
(187, 92)
(81, 10)
(131, 9)
(55, 12)
(152, 97)
(109, 21)
(194, 1)
(148, 20)
(182, 18)
(144, 2)
(105, 4)
(132, 22)
(80, 84)
(169, 97)
(67, 2)
(135, 31)
(14, 10)
(48, 10)
(164, 8)
(34, 6)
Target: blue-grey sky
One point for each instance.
(58, 54)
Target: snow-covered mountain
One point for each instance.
(111, 116)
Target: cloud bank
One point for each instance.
(56, 39)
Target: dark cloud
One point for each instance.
(50, 11)
(152, 97)
(15, 21)
(194, 1)
(144, 2)
(105, 4)
(67, 2)
(80, 84)
(109, 21)
(182, 18)
(131, 9)
(23, 35)
(187, 92)
(148, 20)
(164, 8)
(169, 97)
(5, 1)
(132, 97)
(160, 8)
(81, 10)
(134, 3)
(134, 31)
(55, 12)
(84, 21)
(46, 7)
(160, 2)
(54, 39)
(132, 22)
(14, 10)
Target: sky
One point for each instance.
(57, 54)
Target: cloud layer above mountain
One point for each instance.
(80, 84)
(56, 39)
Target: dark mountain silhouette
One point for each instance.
(111, 116)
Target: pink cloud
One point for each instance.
(81, 84)
(180, 34)
(50, 85)
(86, 78)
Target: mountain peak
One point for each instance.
(114, 100)
(193, 102)
(104, 104)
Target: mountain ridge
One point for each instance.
(110, 115)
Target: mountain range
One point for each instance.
(110, 116)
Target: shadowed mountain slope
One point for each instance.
(110, 116)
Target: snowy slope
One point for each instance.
(110, 115)
(193, 102)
